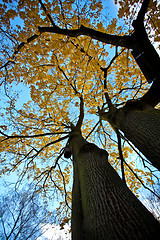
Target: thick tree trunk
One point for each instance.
(106, 208)
(141, 127)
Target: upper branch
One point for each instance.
(81, 116)
(30, 136)
(20, 46)
(123, 41)
(138, 23)
(121, 155)
(48, 15)
(142, 11)
(49, 144)
(105, 70)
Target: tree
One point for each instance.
(103, 207)
(22, 215)
(65, 62)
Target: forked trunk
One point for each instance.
(103, 207)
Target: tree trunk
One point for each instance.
(141, 127)
(106, 208)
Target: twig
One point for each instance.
(93, 129)
(121, 155)
(9, 35)
(64, 186)
(105, 70)
(50, 143)
(53, 167)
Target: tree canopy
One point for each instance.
(62, 64)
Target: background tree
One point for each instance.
(22, 214)
(61, 54)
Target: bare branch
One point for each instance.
(105, 70)
(4, 229)
(49, 144)
(93, 129)
(64, 186)
(123, 41)
(30, 136)
(121, 155)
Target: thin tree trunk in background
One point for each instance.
(109, 210)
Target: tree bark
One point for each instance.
(108, 208)
(141, 127)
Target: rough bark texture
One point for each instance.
(108, 208)
(141, 127)
(76, 205)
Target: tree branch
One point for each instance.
(123, 41)
(49, 144)
(20, 46)
(152, 96)
(81, 115)
(92, 129)
(142, 11)
(105, 70)
(121, 155)
(50, 170)
(109, 65)
(48, 15)
(64, 184)
(30, 136)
